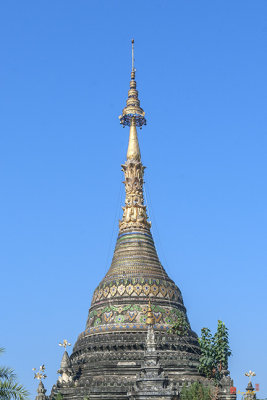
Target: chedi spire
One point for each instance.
(123, 325)
(134, 211)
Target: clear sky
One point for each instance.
(64, 76)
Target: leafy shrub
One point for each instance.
(196, 392)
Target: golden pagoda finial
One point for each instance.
(132, 108)
(150, 320)
(134, 211)
(250, 374)
(64, 344)
(40, 374)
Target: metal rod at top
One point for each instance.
(132, 55)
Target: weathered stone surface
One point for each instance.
(65, 370)
(152, 382)
(41, 392)
(224, 387)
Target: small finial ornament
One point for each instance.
(40, 374)
(150, 320)
(64, 344)
(250, 374)
(132, 108)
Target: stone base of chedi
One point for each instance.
(118, 356)
(116, 366)
(120, 382)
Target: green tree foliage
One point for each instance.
(59, 397)
(221, 346)
(196, 392)
(181, 326)
(215, 351)
(9, 388)
(207, 359)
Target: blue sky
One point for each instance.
(64, 75)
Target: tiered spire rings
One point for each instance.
(133, 109)
(134, 212)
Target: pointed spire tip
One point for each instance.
(133, 108)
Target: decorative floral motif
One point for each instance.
(146, 289)
(143, 319)
(169, 321)
(163, 290)
(144, 309)
(97, 322)
(131, 315)
(129, 289)
(121, 289)
(157, 316)
(154, 289)
(113, 290)
(107, 316)
(170, 292)
(119, 319)
(138, 289)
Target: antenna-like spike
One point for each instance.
(133, 55)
